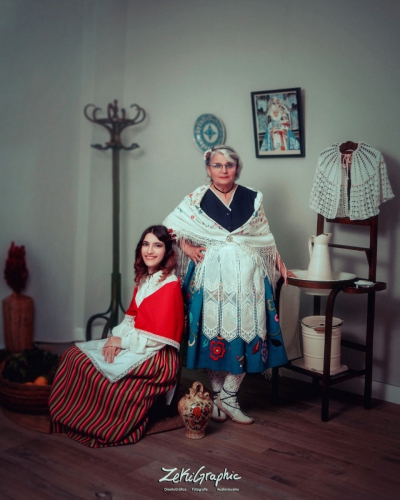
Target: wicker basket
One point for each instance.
(23, 398)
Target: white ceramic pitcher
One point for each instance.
(319, 268)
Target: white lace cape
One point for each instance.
(369, 183)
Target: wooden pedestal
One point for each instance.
(18, 319)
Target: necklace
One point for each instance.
(223, 192)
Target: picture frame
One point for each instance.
(278, 123)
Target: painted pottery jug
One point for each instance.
(319, 268)
(195, 410)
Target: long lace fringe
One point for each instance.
(268, 257)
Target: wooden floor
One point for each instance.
(288, 453)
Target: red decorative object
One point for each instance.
(217, 350)
(15, 272)
(256, 348)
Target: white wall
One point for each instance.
(57, 57)
(41, 88)
(179, 59)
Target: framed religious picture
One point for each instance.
(277, 120)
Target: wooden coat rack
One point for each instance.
(114, 124)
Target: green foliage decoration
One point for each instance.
(27, 365)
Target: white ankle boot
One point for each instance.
(217, 381)
(227, 400)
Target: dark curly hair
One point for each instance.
(169, 261)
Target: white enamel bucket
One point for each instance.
(313, 330)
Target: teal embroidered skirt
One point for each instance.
(236, 356)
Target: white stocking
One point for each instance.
(232, 383)
(217, 379)
(227, 401)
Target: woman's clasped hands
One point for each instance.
(111, 349)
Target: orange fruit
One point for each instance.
(28, 383)
(40, 380)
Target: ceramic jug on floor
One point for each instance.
(319, 268)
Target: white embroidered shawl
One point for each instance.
(190, 223)
(369, 183)
(233, 270)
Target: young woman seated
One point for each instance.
(103, 389)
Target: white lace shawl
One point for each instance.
(369, 183)
(233, 270)
(188, 222)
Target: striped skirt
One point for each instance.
(97, 413)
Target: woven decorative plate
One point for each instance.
(208, 131)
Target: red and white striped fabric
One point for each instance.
(96, 413)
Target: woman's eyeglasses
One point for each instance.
(218, 166)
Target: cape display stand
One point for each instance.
(114, 124)
(333, 288)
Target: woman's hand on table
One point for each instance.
(194, 253)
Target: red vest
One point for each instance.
(160, 315)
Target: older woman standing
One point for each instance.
(231, 265)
